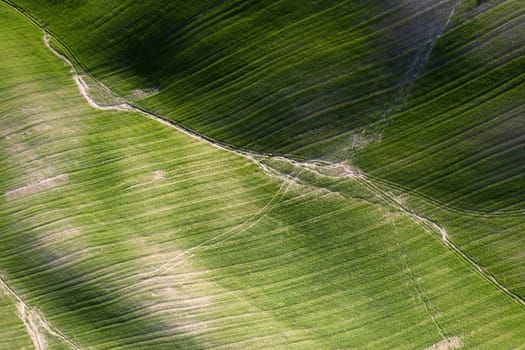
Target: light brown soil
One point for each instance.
(159, 175)
(449, 343)
(37, 186)
(32, 328)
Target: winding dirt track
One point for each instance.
(38, 339)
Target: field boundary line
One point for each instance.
(445, 206)
(254, 156)
(433, 227)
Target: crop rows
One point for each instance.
(122, 232)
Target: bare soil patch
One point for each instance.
(37, 186)
(449, 343)
(32, 328)
(159, 175)
(140, 94)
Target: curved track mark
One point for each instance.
(31, 314)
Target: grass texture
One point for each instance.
(120, 232)
(425, 94)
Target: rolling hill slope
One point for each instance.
(459, 139)
(426, 94)
(15, 334)
(120, 232)
(268, 75)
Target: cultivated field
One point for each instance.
(425, 94)
(281, 76)
(121, 231)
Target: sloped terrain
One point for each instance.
(14, 333)
(121, 232)
(459, 139)
(277, 76)
(426, 94)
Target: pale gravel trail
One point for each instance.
(38, 339)
(127, 107)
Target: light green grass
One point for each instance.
(157, 240)
(14, 334)
(494, 240)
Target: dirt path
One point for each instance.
(322, 168)
(319, 167)
(32, 318)
(125, 106)
(38, 339)
(450, 343)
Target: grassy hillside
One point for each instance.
(270, 75)
(120, 232)
(428, 93)
(423, 95)
(494, 240)
(14, 332)
(458, 142)
(459, 138)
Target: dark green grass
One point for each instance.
(460, 141)
(304, 77)
(269, 75)
(460, 137)
(213, 253)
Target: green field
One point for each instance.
(426, 96)
(277, 76)
(117, 231)
(440, 84)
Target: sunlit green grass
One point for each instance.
(157, 240)
(14, 334)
